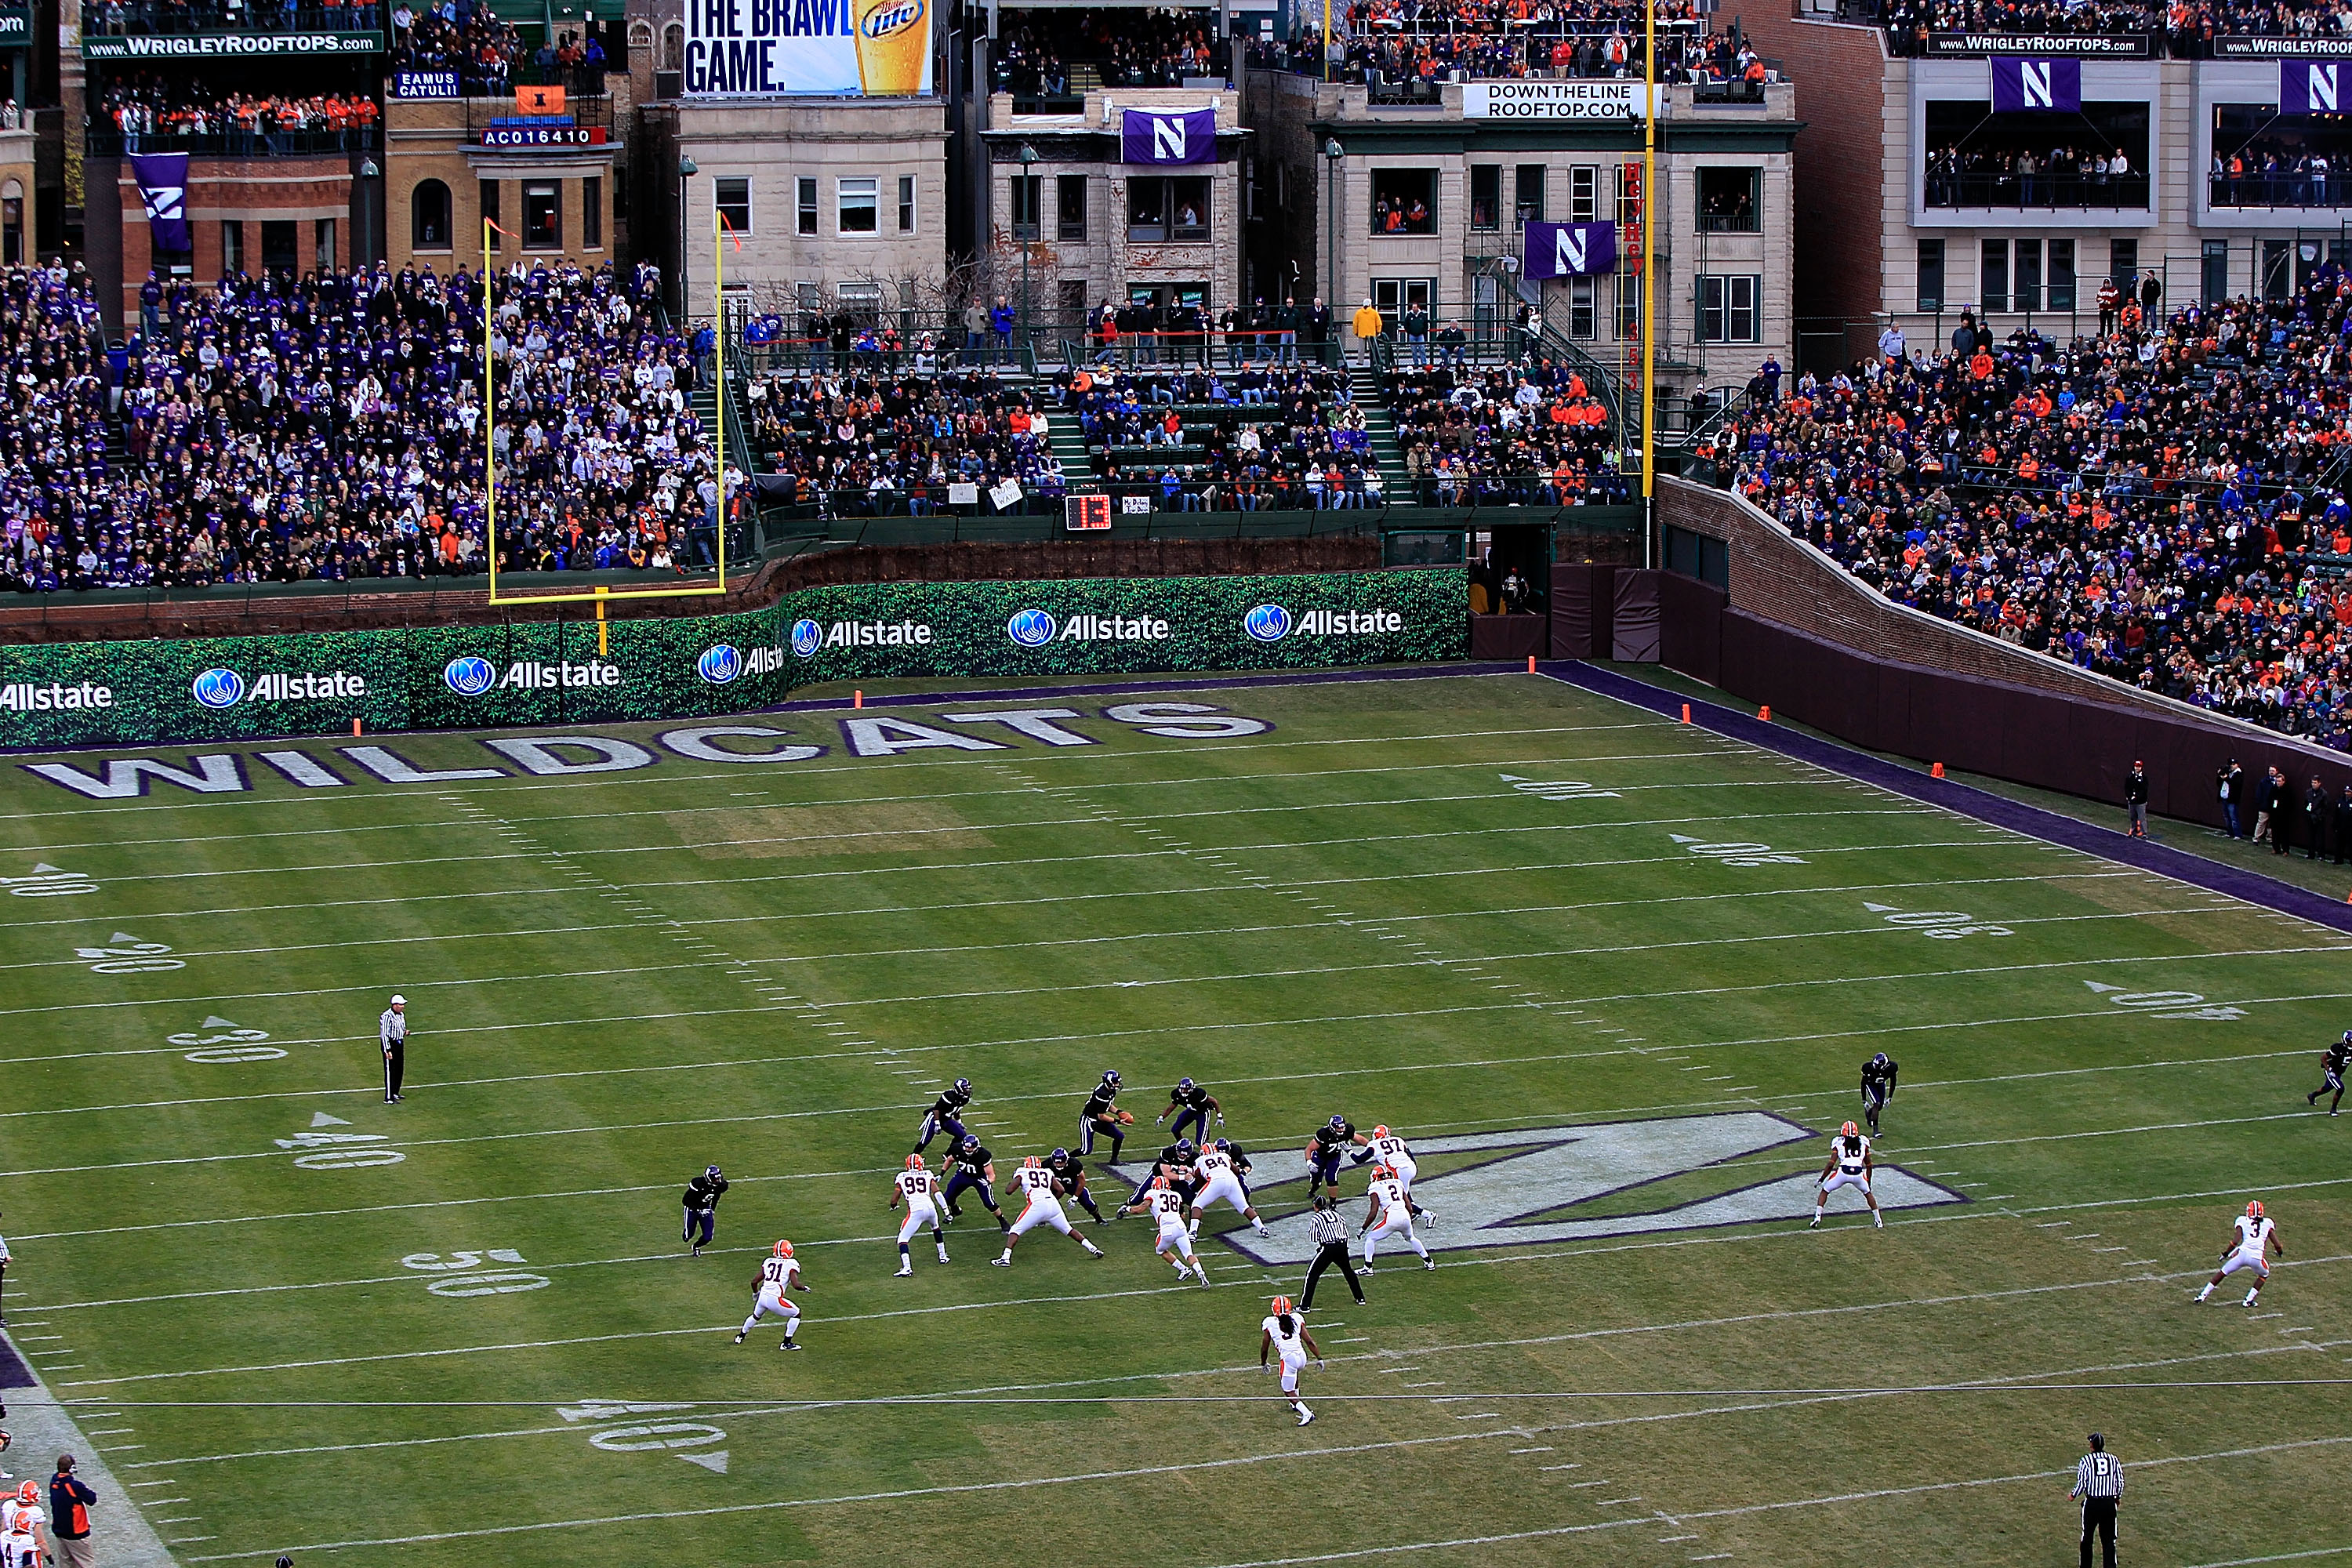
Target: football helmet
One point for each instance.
(711, 1172)
(1224, 1145)
(1183, 1148)
(783, 1250)
(1183, 1086)
(1381, 1172)
(1879, 1060)
(1281, 1304)
(1032, 1163)
(1338, 1121)
(1380, 1132)
(914, 1161)
(1159, 1183)
(2254, 1209)
(1847, 1131)
(963, 1088)
(1060, 1157)
(28, 1494)
(971, 1141)
(1111, 1079)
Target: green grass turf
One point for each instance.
(617, 978)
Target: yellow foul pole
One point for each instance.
(490, 422)
(1649, 283)
(719, 370)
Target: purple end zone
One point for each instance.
(13, 1372)
(2250, 886)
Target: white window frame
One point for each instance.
(872, 196)
(909, 203)
(719, 205)
(1726, 289)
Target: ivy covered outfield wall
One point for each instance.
(442, 678)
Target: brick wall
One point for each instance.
(1842, 77)
(1785, 580)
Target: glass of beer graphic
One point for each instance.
(893, 36)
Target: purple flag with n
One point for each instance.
(1156, 136)
(164, 186)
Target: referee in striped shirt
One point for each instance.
(2099, 1482)
(392, 1031)
(1328, 1231)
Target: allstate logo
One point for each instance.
(718, 664)
(807, 637)
(1031, 629)
(1267, 623)
(218, 688)
(468, 676)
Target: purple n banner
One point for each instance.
(164, 186)
(1570, 249)
(2311, 87)
(2022, 86)
(1183, 136)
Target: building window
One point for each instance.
(1027, 191)
(2277, 274)
(857, 206)
(1581, 324)
(490, 211)
(2061, 281)
(12, 230)
(1173, 208)
(278, 253)
(1992, 278)
(733, 194)
(905, 204)
(1583, 194)
(231, 248)
(428, 215)
(1931, 274)
(2025, 276)
(1070, 207)
(673, 53)
(1487, 197)
(1404, 201)
(2122, 262)
(1726, 201)
(322, 244)
(542, 217)
(1629, 306)
(1726, 310)
(2213, 271)
(805, 196)
(592, 212)
(1527, 185)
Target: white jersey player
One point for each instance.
(779, 1272)
(919, 1189)
(1389, 1212)
(1042, 1195)
(1216, 1180)
(1385, 1148)
(2256, 1240)
(1849, 1165)
(1166, 1204)
(1284, 1334)
(20, 1528)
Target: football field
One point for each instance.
(1612, 976)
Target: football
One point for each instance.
(1127, 1118)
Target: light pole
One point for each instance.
(687, 169)
(368, 172)
(1027, 156)
(1332, 153)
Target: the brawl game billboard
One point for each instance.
(446, 678)
(748, 48)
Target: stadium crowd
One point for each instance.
(1265, 435)
(1125, 49)
(2188, 27)
(150, 109)
(2163, 503)
(876, 439)
(266, 430)
(1529, 433)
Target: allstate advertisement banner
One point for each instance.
(748, 48)
(441, 678)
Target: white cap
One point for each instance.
(400, 1001)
